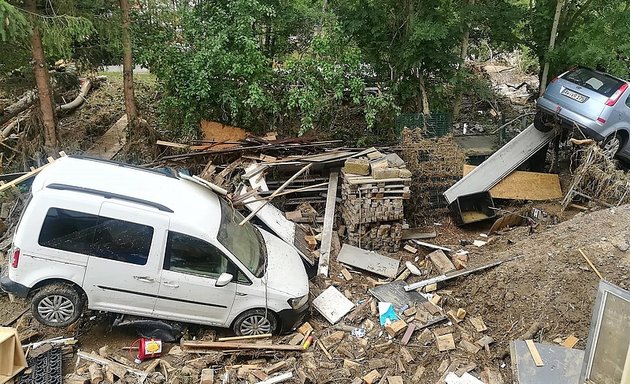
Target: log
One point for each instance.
(85, 88)
(25, 102)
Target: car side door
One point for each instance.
(188, 290)
(125, 258)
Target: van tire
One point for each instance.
(540, 124)
(255, 322)
(57, 305)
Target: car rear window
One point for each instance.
(598, 82)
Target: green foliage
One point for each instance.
(251, 63)
(13, 24)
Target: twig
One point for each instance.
(591, 264)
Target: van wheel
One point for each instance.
(540, 124)
(255, 322)
(612, 145)
(57, 305)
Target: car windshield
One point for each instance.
(243, 241)
(598, 82)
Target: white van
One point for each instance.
(130, 240)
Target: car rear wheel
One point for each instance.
(57, 305)
(255, 322)
(540, 122)
(612, 144)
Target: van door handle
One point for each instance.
(171, 285)
(144, 279)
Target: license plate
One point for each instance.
(580, 98)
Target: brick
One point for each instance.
(385, 173)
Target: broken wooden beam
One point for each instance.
(329, 218)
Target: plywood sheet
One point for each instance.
(562, 365)
(521, 185)
(368, 261)
(112, 141)
(215, 131)
(332, 304)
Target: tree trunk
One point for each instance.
(423, 93)
(463, 54)
(43, 81)
(25, 102)
(130, 99)
(552, 43)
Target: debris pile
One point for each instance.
(598, 179)
(373, 190)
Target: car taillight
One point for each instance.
(615, 96)
(601, 120)
(15, 259)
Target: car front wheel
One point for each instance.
(255, 322)
(57, 305)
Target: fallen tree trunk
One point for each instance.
(85, 88)
(25, 102)
(12, 124)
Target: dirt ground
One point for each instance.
(548, 282)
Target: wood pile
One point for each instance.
(373, 190)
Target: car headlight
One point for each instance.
(298, 302)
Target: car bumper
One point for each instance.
(12, 287)
(292, 318)
(569, 119)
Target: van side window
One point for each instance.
(122, 241)
(92, 235)
(188, 254)
(68, 230)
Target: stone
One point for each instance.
(357, 167)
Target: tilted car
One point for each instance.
(129, 240)
(593, 103)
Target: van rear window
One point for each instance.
(598, 82)
(97, 236)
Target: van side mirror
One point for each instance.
(224, 279)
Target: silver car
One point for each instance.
(592, 102)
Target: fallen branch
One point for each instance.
(85, 88)
(25, 102)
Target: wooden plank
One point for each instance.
(112, 141)
(234, 345)
(408, 334)
(248, 337)
(22, 178)
(329, 217)
(445, 342)
(534, 352)
(441, 262)
(520, 185)
(570, 341)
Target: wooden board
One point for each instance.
(441, 262)
(369, 261)
(12, 360)
(535, 354)
(329, 217)
(520, 185)
(112, 141)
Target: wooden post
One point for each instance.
(552, 43)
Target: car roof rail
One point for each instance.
(167, 171)
(109, 195)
